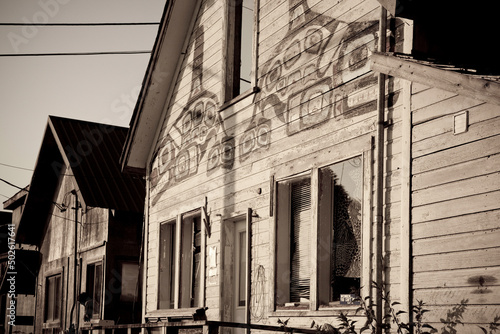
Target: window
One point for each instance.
(240, 47)
(53, 298)
(167, 266)
(325, 205)
(240, 267)
(130, 278)
(181, 262)
(94, 287)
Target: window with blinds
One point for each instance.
(334, 194)
(294, 241)
(300, 249)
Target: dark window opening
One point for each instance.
(94, 289)
(53, 298)
(240, 44)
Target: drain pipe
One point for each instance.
(379, 174)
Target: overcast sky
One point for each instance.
(99, 88)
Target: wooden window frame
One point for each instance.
(317, 281)
(232, 51)
(178, 270)
(96, 314)
(53, 321)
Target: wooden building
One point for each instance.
(17, 262)
(292, 157)
(85, 220)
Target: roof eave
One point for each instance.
(162, 70)
(16, 200)
(460, 83)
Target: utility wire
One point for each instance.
(74, 53)
(12, 166)
(82, 176)
(13, 185)
(90, 24)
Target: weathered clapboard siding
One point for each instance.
(479, 221)
(464, 170)
(457, 242)
(321, 132)
(476, 131)
(453, 278)
(466, 152)
(345, 11)
(474, 314)
(455, 206)
(463, 188)
(309, 147)
(349, 100)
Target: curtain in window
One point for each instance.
(300, 246)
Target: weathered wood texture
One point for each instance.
(316, 106)
(57, 249)
(455, 206)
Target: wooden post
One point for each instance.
(248, 278)
(211, 329)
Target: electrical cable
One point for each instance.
(97, 53)
(81, 24)
(12, 166)
(82, 176)
(13, 185)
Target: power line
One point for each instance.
(74, 53)
(89, 24)
(13, 185)
(106, 177)
(12, 166)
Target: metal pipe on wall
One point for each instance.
(379, 173)
(72, 327)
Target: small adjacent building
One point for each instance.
(85, 219)
(19, 266)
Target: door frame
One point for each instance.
(227, 231)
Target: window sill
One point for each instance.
(240, 97)
(172, 313)
(300, 311)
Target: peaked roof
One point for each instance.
(91, 151)
(168, 51)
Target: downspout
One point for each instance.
(145, 250)
(72, 327)
(379, 174)
(36, 296)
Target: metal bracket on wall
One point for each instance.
(205, 217)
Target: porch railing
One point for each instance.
(200, 326)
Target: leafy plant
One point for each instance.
(454, 317)
(392, 318)
(493, 327)
(346, 325)
(419, 325)
(283, 323)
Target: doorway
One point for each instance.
(235, 278)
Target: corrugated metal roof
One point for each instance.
(93, 152)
